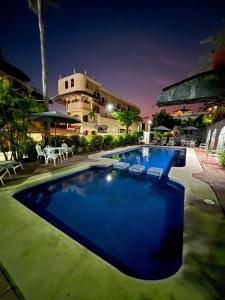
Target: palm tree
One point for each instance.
(37, 7)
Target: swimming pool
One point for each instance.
(132, 222)
(153, 157)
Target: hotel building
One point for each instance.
(87, 99)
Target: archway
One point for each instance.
(221, 139)
(213, 138)
(208, 137)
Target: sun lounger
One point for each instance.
(3, 172)
(137, 168)
(11, 164)
(155, 172)
(121, 166)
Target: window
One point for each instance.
(72, 82)
(66, 84)
(102, 129)
(85, 118)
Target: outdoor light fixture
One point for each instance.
(108, 177)
(110, 107)
(149, 125)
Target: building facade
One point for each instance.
(19, 79)
(87, 99)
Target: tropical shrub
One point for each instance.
(29, 149)
(222, 158)
(136, 136)
(107, 141)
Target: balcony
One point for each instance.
(78, 105)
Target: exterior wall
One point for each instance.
(87, 95)
(217, 127)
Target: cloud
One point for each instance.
(162, 82)
(175, 63)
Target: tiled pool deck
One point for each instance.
(43, 263)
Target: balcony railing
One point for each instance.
(79, 105)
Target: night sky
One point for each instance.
(134, 49)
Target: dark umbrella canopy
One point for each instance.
(161, 128)
(189, 128)
(54, 117)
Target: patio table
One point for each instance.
(59, 150)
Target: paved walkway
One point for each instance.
(213, 174)
(6, 292)
(35, 168)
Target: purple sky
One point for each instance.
(133, 49)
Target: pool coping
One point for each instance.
(13, 267)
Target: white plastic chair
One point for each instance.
(40, 152)
(183, 143)
(67, 150)
(50, 155)
(192, 143)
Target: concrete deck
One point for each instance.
(44, 263)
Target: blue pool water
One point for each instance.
(153, 157)
(132, 222)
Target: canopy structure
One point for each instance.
(161, 128)
(208, 87)
(189, 128)
(54, 117)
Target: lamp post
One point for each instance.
(149, 125)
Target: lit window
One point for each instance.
(66, 84)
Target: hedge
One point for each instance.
(86, 144)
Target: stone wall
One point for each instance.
(219, 127)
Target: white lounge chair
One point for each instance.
(154, 141)
(3, 173)
(171, 141)
(163, 141)
(204, 145)
(121, 166)
(11, 164)
(155, 172)
(137, 168)
(214, 153)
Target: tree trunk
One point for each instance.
(43, 63)
(127, 128)
(43, 57)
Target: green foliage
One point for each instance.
(215, 116)
(163, 119)
(91, 143)
(136, 136)
(207, 119)
(222, 159)
(14, 116)
(29, 149)
(107, 141)
(127, 118)
(219, 114)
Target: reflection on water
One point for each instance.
(132, 222)
(145, 151)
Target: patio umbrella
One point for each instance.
(161, 128)
(190, 128)
(54, 117)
